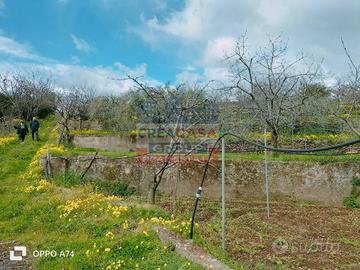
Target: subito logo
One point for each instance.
(17, 253)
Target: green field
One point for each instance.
(103, 232)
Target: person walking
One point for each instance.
(22, 130)
(34, 126)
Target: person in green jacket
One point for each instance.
(34, 126)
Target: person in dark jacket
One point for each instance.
(22, 130)
(34, 126)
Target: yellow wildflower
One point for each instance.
(141, 221)
(110, 235)
(125, 225)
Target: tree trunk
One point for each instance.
(152, 195)
(274, 138)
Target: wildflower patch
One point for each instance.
(7, 140)
(94, 205)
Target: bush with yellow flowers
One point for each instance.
(93, 204)
(92, 132)
(180, 226)
(330, 138)
(41, 186)
(6, 140)
(34, 171)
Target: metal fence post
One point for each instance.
(222, 190)
(266, 175)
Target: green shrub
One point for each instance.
(68, 179)
(44, 112)
(356, 182)
(350, 202)
(117, 188)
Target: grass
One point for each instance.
(94, 230)
(105, 232)
(71, 179)
(321, 158)
(324, 157)
(96, 132)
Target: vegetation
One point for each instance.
(321, 158)
(104, 232)
(116, 188)
(251, 236)
(104, 227)
(352, 200)
(26, 96)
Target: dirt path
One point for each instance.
(186, 248)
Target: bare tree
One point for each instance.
(268, 84)
(72, 104)
(177, 108)
(348, 93)
(26, 95)
(116, 113)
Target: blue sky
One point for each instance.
(92, 41)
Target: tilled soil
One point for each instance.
(296, 236)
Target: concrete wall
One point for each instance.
(111, 143)
(327, 183)
(114, 143)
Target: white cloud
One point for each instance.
(138, 71)
(11, 47)
(160, 5)
(104, 79)
(220, 74)
(81, 44)
(210, 26)
(188, 77)
(201, 19)
(217, 49)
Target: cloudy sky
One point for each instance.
(92, 41)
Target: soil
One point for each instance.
(297, 235)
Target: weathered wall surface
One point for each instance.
(111, 143)
(327, 183)
(114, 143)
(125, 143)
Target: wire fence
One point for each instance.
(266, 148)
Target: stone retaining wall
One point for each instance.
(327, 183)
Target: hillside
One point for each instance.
(94, 231)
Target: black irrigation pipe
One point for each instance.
(284, 150)
(198, 193)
